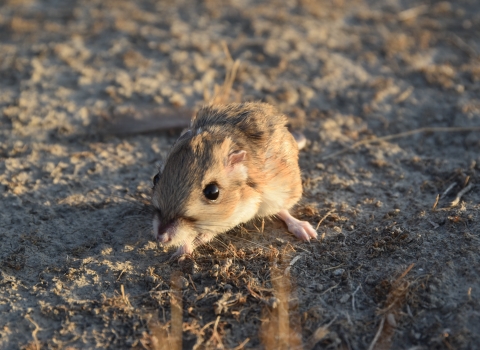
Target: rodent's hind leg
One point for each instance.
(301, 229)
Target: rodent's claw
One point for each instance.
(182, 252)
(301, 229)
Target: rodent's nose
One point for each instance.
(164, 238)
(164, 231)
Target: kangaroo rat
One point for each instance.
(235, 163)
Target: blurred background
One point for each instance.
(65, 63)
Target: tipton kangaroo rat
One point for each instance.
(235, 163)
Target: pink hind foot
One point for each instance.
(301, 229)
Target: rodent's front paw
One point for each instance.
(182, 252)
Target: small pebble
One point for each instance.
(391, 320)
(345, 298)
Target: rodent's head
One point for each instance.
(202, 190)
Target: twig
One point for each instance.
(331, 288)
(449, 188)
(436, 202)
(462, 45)
(242, 345)
(405, 272)
(402, 134)
(35, 331)
(404, 95)
(294, 260)
(435, 225)
(353, 297)
(377, 336)
(466, 180)
(459, 195)
(326, 216)
(412, 12)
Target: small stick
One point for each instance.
(449, 188)
(436, 202)
(353, 298)
(404, 95)
(435, 225)
(459, 195)
(34, 332)
(294, 260)
(377, 336)
(412, 12)
(402, 134)
(466, 181)
(326, 216)
(242, 345)
(462, 45)
(331, 288)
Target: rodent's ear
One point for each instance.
(236, 157)
(232, 158)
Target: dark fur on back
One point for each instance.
(248, 119)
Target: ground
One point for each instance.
(397, 261)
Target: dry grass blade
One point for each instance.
(242, 345)
(177, 307)
(163, 337)
(276, 332)
(377, 335)
(388, 323)
(400, 135)
(36, 343)
(322, 219)
(436, 202)
(460, 195)
(319, 334)
(412, 12)
(221, 94)
(449, 188)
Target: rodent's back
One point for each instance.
(250, 122)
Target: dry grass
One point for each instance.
(391, 312)
(167, 336)
(280, 327)
(400, 135)
(222, 94)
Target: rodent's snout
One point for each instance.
(164, 238)
(163, 232)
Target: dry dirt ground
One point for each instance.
(391, 269)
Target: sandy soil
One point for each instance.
(78, 268)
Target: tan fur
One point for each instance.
(266, 181)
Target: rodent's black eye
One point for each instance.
(156, 178)
(211, 191)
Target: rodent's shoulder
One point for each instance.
(256, 121)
